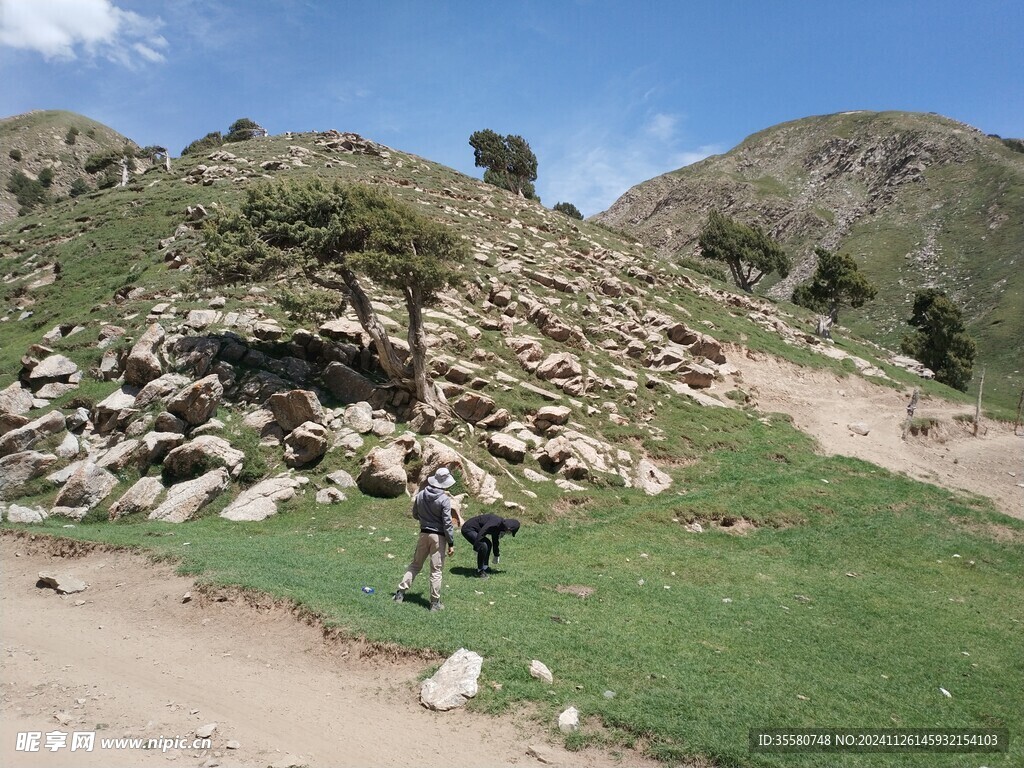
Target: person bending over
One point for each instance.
(484, 532)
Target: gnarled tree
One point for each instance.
(508, 160)
(941, 341)
(748, 251)
(332, 235)
(836, 282)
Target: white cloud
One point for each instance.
(65, 29)
(601, 165)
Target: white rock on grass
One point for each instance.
(569, 720)
(540, 671)
(454, 683)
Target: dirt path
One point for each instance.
(128, 653)
(823, 405)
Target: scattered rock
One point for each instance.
(473, 407)
(200, 454)
(569, 720)
(143, 365)
(506, 447)
(540, 671)
(19, 514)
(16, 469)
(330, 496)
(15, 399)
(382, 473)
(63, 583)
(359, 417)
(86, 488)
(206, 731)
(651, 479)
(859, 428)
(342, 479)
(454, 683)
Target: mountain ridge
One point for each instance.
(919, 199)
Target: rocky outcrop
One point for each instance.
(24, 437)
(88, 486)
(16, 469)
(199, 455)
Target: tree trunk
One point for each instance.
(977, 410)
(426, 392)
(393, 364)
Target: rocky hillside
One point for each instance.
(574, 360)
(60, 141)
(920, 200)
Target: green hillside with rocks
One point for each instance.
(689, 566)
(921, 201)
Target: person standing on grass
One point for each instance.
(484, 532)
(433, 508)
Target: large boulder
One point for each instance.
(697, 376)
(382, 472)
(295, 407)
(24, 437)
(551, 416)
(52, 368)
(197, 402)
(19, 514)
(124, 454)
(15, 399)
(473, 407)
(305, 444)
(185, 499)
(480, 483)
(556, 451)
(347, 385)
(115, 410)
(88, 486)
(651, 479)
(706, 346)
(454, 683)
(143, 365)
(139, 498)
(504, 446)
(161, 389)
(359, 417)
(199, 455)
(260, 501)
(16, 469)
(560, 365)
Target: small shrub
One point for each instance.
(15, 155)
(28, 192)
(100, 161)
(71, 136)
(46, 177)
(78, 187)
(210, 141)
(703, 267)
(569, 210)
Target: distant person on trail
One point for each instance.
(433, 508)
(484, 532)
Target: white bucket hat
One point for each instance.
(442, 478)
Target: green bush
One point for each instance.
(15, 155)
(78, 187)
(71, 136)
(46, 177)
(29, 192)
(569, 210)
(101, 161)
(210, 141)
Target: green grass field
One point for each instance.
(850, 604)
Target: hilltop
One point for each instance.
(642, 420)
(918, 199)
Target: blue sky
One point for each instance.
(607, 93)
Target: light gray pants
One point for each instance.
(432, 545)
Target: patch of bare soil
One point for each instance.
(824, 406)
(127, 657)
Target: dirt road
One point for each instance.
(823, 405)
(128, 654)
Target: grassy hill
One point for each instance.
(920, 200)
(819, 590)
(59, 141)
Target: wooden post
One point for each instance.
(911, 407)
(977, 409)
(1020, 408)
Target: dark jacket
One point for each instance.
(433, 508)
(482, 526)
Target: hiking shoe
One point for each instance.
(399, 596)
(438, 606)
(482, 575)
